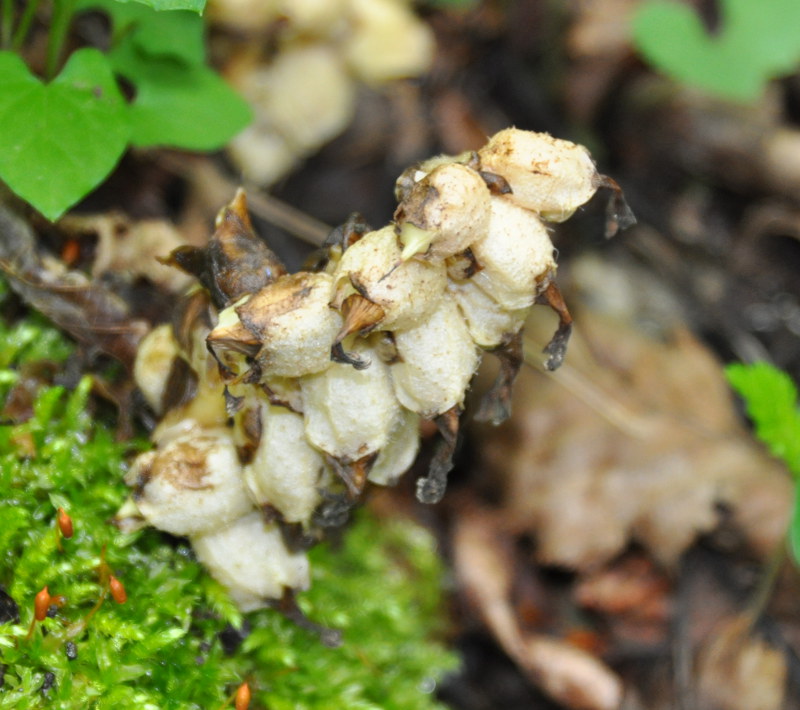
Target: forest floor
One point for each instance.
(622, 534)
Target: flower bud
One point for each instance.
(406, 291)
(516, 257)
(488, 322)
(301, 99)
(191, 484)
(154, 359)
(288, 327)
(388, 42)
(250, 558)
(350, 413)
(547, 175)
(437, 361)
(399, 453)
(285, 471)
(449, 207)
(412, 175)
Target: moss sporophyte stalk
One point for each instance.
(281, 397)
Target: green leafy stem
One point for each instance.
(61, 138)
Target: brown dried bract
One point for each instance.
(235, 262)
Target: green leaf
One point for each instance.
(194, 5)
(757, 41)
(177, 105)
(60, 140)
(794, 527)
(176, 35)
(771, 400)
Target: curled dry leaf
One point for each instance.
(737, 671)
(632, 439)
(92, 314)
(485, 565)
(131, 247)
(633, 595)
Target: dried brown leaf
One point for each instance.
(484, 563)
(632, 439)
(131, 248)
(739, 672)
(92, 314)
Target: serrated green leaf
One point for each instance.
(179, 106)
(756, 41)
(60, 140)
(770, 398)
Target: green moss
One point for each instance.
(162, 649)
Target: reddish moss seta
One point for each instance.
(242, 699)
(65, 523)
(117, 590)
(41, 604)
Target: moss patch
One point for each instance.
(162, 648)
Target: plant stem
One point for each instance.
(766, 585)
(59, 25)
(24, 25)
(5, 23)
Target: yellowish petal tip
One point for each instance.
(414, 240)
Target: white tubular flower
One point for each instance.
(412, 175)
(548, 175)
(243, 15)
(318, 18)
(350, 413)
(516, 256)
(288, 327)
(191, 484)
(388, 41)
(405, 291)
(301, 100)
(285, 471)
(251, 559)
(444, 213)
(397, 456)
(154, 360)
(489, 322)
(437, 361)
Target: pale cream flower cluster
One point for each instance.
(305, 386)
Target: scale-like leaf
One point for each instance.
(60, 140)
